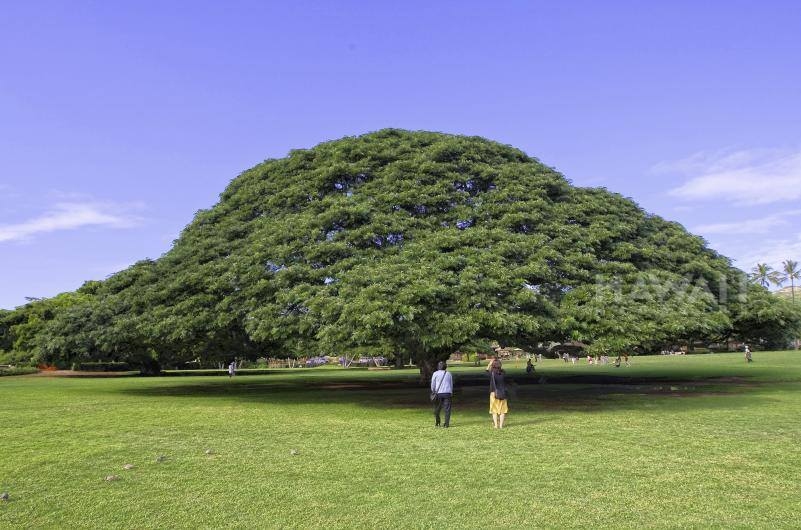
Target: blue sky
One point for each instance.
(119, 120)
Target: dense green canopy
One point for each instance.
(409, 244)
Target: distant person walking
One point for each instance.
(498, 402)
(748, 358)
(441, 393)
(232, 368)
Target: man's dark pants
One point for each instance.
(443, 401)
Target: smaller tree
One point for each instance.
(790, 271)
(764, 275)
(25, 328)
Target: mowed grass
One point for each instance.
(685, 441)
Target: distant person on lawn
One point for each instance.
(529, 367)
(232, 368)
(498, 405)
(748, 358)
(442, 386)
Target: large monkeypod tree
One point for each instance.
(410, 244)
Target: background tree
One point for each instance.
(764, 275)
(791, 272)
(22, 329)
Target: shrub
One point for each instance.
(16, 358)
(101, 367)
(18, 370)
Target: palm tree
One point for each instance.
(790, 271)
(764, 275)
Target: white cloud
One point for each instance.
(752, 176)
(69, 216)
(762, 225)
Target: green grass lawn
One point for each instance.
(685, 441)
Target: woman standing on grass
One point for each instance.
(498, 406)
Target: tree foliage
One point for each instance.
(406, 243)
(766, 319)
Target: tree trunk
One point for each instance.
(149, 366)
(426, 370)
(792, 294)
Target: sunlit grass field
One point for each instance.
(685, 441)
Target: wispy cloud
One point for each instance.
(762, 225)
(751, 176)
(69, 216)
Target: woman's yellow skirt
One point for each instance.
(498, 406)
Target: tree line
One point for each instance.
(407, 245)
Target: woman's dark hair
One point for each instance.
(441, 365)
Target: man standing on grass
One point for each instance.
(442, 391)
